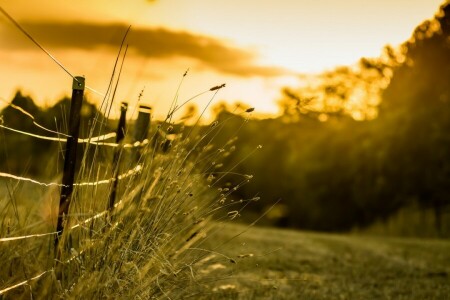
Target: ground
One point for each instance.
(263, 263)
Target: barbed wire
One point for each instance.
(38, 235)
(29, 115)
(98, 215)
(52, 57)
(40, 275)
(129, 173)
(5, 290)
(23, 237)
(93, 140)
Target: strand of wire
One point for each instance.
(34, 41)
(127, 174)
(5, 290)
(26, 113)
(52, 57)
(56, 139)
(38, 235)
(93, 140)
(40, 275)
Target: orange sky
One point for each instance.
(255, 46)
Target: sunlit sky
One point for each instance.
(254, 46)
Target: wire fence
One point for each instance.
(38, 276)
(131, 172)
(97, 141)
(93, 140)
(101, 140)
(39, 235)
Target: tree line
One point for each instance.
(336, 164)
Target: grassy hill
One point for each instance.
(261, 263)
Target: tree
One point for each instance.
(415, 117)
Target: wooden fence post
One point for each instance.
(70, 153)
(116, 164)
(141, 128)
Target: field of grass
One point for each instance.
(284, 264)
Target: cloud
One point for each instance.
(149, 42)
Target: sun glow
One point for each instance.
(264, 45)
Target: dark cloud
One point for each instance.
(150, 42)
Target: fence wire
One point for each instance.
(40, 275)
(124, 175)
(97, 140)
(129, 173)
(5, 290)
(12, 287)
(52, 57)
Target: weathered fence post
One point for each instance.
(70, 153)
(141, 128)
(116, 164)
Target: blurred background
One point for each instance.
(352, 101)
